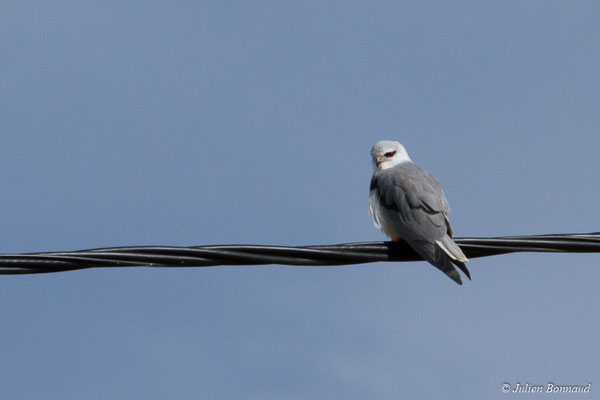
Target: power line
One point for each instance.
(322, 255)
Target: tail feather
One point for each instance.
(437, 257)
(456, 255)
(463, 268)
(452, 249)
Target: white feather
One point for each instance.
(374, 208)
(448, 252)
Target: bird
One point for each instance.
(408, 203)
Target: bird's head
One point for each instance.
(387, 154)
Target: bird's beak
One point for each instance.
(379, 160)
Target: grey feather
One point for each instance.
(408, 202)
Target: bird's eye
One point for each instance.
(390, 154)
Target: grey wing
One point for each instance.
(411, 201)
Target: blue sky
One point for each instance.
(190, 123)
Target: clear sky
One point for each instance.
(191, 123)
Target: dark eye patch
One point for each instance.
(390, 154)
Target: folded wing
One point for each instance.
(409, 201)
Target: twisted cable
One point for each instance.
(321, 255)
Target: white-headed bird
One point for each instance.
(407, 203)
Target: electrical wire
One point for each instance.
(322, 255)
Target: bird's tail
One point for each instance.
(457, 257)
(438, 256)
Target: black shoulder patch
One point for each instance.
(373, 184)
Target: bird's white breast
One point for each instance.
(378, 214)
